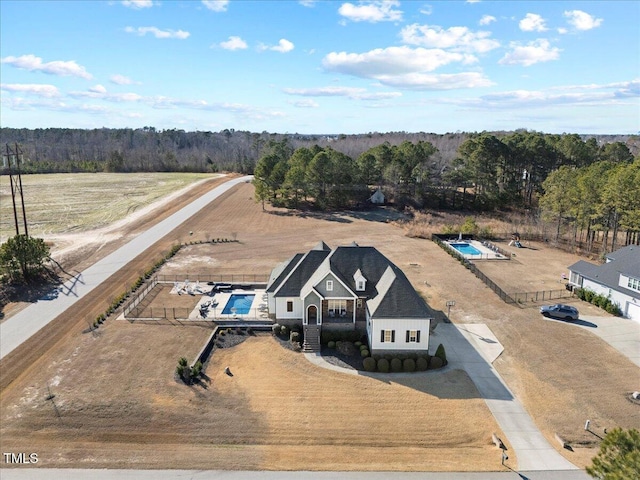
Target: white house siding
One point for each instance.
(400, 326)
(281, 308)
(623, 300)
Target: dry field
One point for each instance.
(76, 202)
(117, 403)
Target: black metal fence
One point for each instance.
(139, 296)
(541, 296)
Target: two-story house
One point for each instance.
(349, 288)
(617, 279)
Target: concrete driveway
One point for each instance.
(623, 334)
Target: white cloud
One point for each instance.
(34, 64)
(473, 1)
(562, 30)
(350, 92)
(426, 10)
(534, 52)
(487, 19)
(532, 22)
(283, 46)
(98, 89)
(307, 103)
(456, 38)
(581, 20)
(216, 5)
(121, 80)
(156, 32)
(406, 67)
(373, 11)
(137, 4)
(39, 90)
(234, 43)
(307, 3)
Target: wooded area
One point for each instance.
(585, 184)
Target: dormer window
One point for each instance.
(329, 285)
(361, 282)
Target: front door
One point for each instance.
(312, 315)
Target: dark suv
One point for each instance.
(565, 312)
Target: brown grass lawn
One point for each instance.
(117, 403)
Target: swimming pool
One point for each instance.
(466, 249)
(238, 303)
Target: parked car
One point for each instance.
(565, 312)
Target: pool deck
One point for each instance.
(486, 253)
(258, 309)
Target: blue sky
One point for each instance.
(322, 66)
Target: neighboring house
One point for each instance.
(377, 197)
(349, 288)
(617, 279)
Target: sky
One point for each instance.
(322, 67)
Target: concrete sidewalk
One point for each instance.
(27, 322)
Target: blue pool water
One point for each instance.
(241, 303)
(466, 249)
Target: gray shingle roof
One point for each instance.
(624, 261)
(281, 271)
(291, 286)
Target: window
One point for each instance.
(387, 336)
(634, 284)
(359, 303)
(289, 305)
(337, 308)
(329, 285)
(360, 285)
(413, 336)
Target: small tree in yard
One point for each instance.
(22, 257)
(183, 370)
(619, 456)
(441, 354)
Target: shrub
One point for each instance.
(294, 337)
(196, 369)
(362, 347)
(369, 364)
(409, 365)
(358, 344)
(364, 353)
(331, 344)
(182, 370)
(284, 330)
(396, 365)
(422, 364)
(222, 333)
(435, 362)
(383, 365)
(275, 328)
(441, 354)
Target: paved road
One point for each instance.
(62, 474)
(17, 329)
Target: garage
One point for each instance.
(633, 311)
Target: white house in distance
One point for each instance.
(349, 288)
(618, 279)
(377, 198)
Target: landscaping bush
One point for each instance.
(364, 353)
(294, 337)
(435, 362)
(275, 328)
(182, 370)
(441, 354)
(358, 344)
(369, 364)
(222, 333)
(331, 344)
(422, 364)
(196, 370)
(361, 346)
(396, 365)
(284, 330)
(383, 365)
(409, 365)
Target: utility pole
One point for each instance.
(11, 160)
